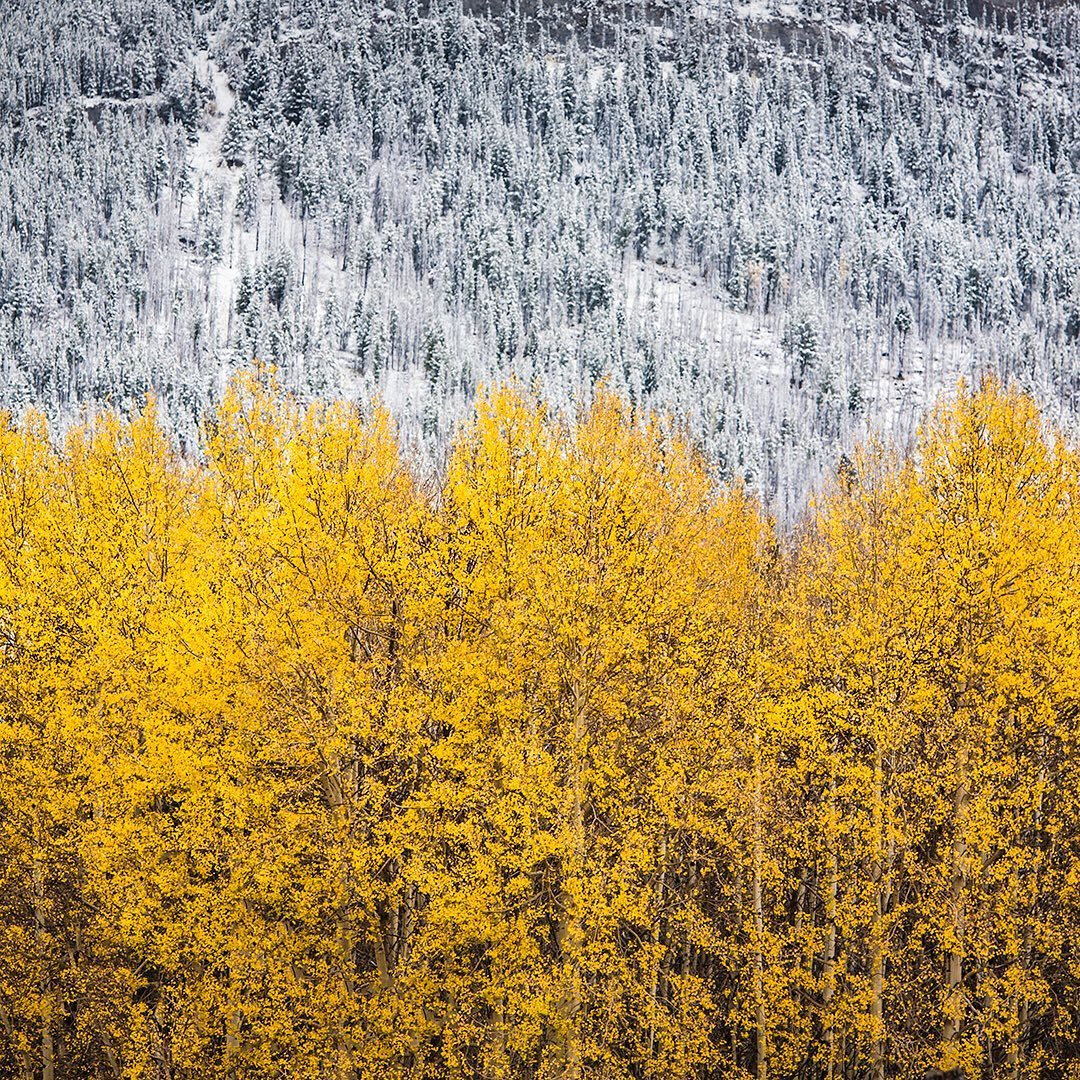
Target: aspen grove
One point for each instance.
(567, 765)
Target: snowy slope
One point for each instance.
(788, 224)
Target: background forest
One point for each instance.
(786, 224)
(564, 770)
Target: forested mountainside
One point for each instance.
(784, 224)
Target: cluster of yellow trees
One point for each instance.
(566, 769)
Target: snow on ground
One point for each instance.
(276, 228)
(677, 303)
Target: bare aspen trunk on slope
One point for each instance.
(759, 922)
(335, 779)
(828, 973)
(659, 900)
(736, 1043)
(571, 936)
(686, 958)
(26, 1057)
(48, 1049)
(954, 1008)
(1016, 1051)
(877, 933)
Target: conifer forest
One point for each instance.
(539, 540)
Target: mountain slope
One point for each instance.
(784, 224)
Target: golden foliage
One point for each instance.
(564, 770)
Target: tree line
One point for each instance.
(773, 236)
(567, 765)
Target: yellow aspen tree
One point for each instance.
(855, 604)
(91, 564)
(640, 523)
(995, 502)
(583, 550)
(28, 769)
(305, 629)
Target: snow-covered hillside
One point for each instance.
(787, 224)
